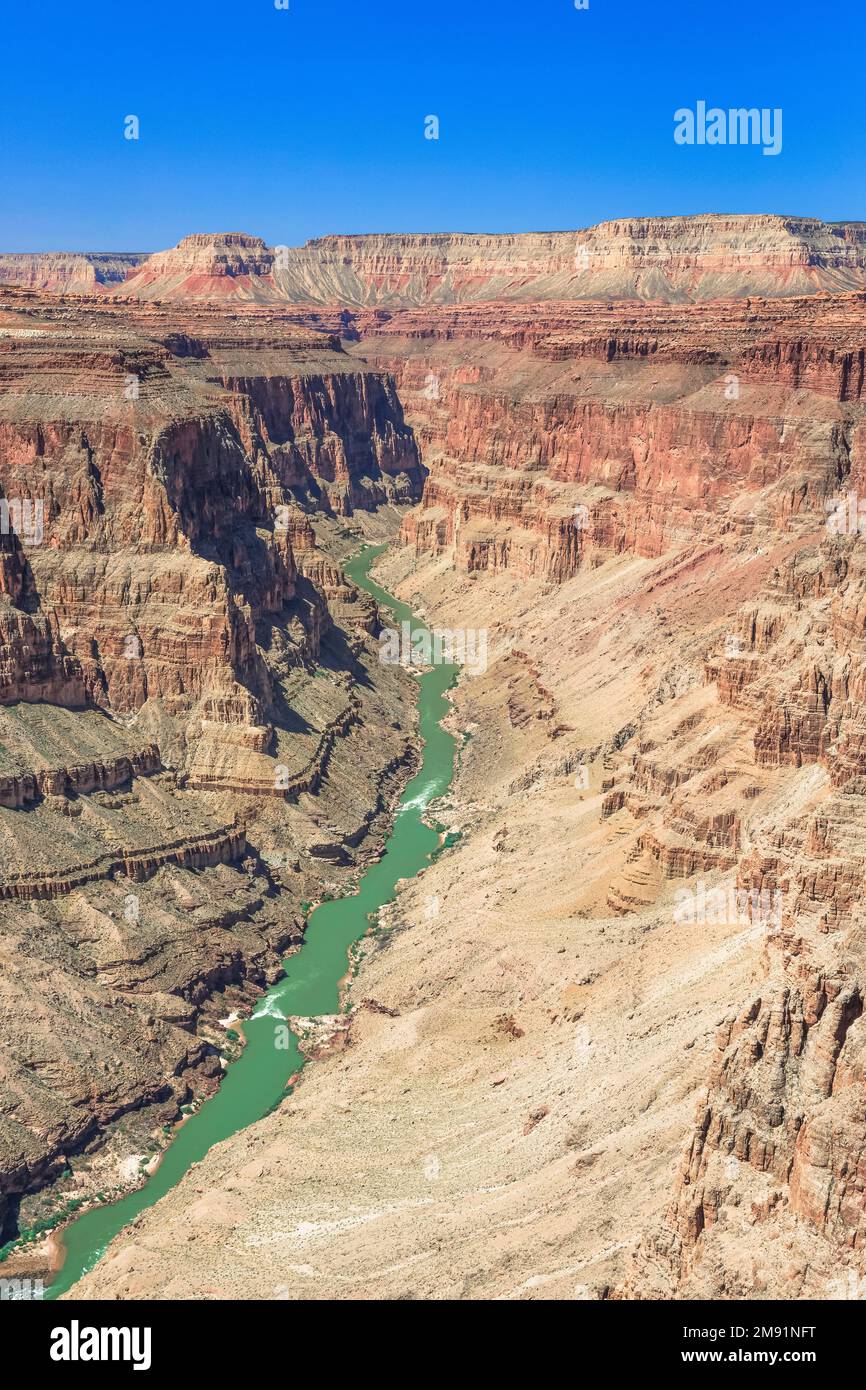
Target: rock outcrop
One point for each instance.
(229, 264)
(673, 258)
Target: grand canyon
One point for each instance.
(608, 1043)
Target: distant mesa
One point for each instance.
(69, 272)
(208, 266)
(664, 259)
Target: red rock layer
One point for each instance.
(669, 422)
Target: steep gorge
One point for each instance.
(633, 503)
(647, 508)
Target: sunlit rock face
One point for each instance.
(724, 444)
(75, 272)
(680, 259)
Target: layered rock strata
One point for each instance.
(649, 510)
(195, 732)
(653, 511)
(650, 258)
(81, 272)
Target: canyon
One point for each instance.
(637, 471)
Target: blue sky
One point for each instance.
(291, 124)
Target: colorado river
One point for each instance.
(256, 1082)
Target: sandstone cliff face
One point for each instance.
(172, 455)
(337, 442)
(230, 264)
(553, 434)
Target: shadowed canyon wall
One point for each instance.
(183, 695)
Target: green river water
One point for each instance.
(256, 1082)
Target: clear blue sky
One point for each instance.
(291, 124)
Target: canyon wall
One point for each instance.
(573, 429)
(725, 446)
(192, 733)
(677, 258)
